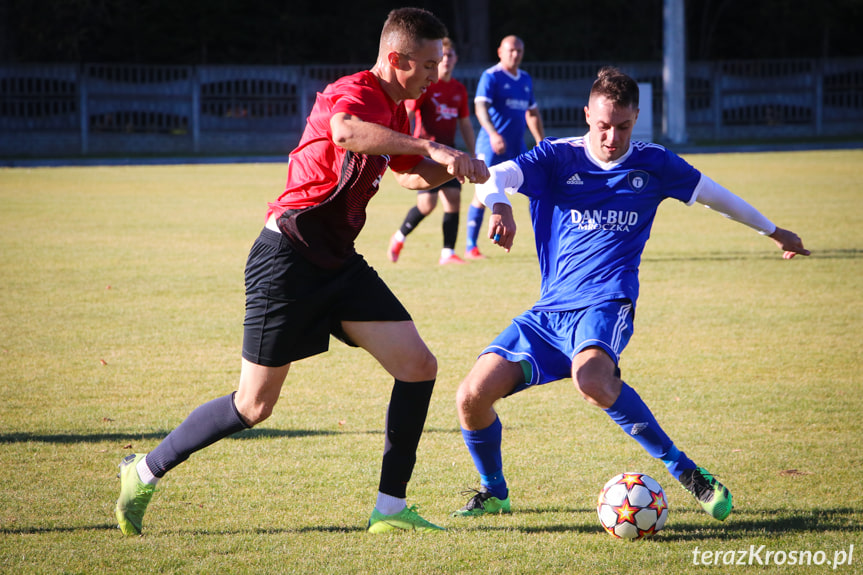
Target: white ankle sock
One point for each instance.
(389, 505)
(145, 474)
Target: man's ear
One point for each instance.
(394, 59)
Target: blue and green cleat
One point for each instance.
(482, 503)
(135, 495)
(714, 497)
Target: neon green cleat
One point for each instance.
(135, 495)
(483, 503)
(714, 497)
(407, 519)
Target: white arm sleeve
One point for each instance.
(715, 197)
(504, 177)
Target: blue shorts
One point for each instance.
(549, 341)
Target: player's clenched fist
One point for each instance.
(478, 173)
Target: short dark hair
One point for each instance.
(407, 27)
(618, 87)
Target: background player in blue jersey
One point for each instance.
(592, 202)
(504, 105)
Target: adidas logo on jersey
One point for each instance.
(575, 180)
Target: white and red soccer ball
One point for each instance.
(632, 506)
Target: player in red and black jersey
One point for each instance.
(441, 110)
(305, 281)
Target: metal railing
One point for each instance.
(107, 108)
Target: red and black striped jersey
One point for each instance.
(324, 204)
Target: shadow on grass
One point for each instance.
(742, 525)
(271, 530)
(255, 433)
(843, 254)
(152, 435)
(46, 530)
(682, 525)
(232, 532)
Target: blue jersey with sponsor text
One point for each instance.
(591, 221)
(508, 98)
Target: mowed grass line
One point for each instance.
(121, 311)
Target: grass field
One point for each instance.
(121, 311)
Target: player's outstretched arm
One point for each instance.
(458, 164)
(352, 133)
(717, 198)
(789, 242)
(429, 174)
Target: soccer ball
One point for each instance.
(632, 506)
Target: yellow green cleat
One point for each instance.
(135, 495)
(405, 520)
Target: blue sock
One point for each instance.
(474, 224)
(635, 418)
(677, 462)
(484, 448)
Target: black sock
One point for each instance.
(450, 229)
(206, 425)
(412, 220)
(406, 416)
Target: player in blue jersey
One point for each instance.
(504, 105)
(592, 202)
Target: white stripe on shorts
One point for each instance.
(619, 327)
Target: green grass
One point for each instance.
(121, 307)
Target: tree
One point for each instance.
(346, 31)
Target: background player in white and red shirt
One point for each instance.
(305, 281)
(437, 114)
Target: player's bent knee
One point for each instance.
(255, 412)
(420, 368)
(464, 399)
(476, 396)
(597, 391)
(429, 370)
(428, 367)
(257, 416)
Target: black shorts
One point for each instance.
(453, 183)
(292, 306)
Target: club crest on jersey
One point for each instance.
(638, 180)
